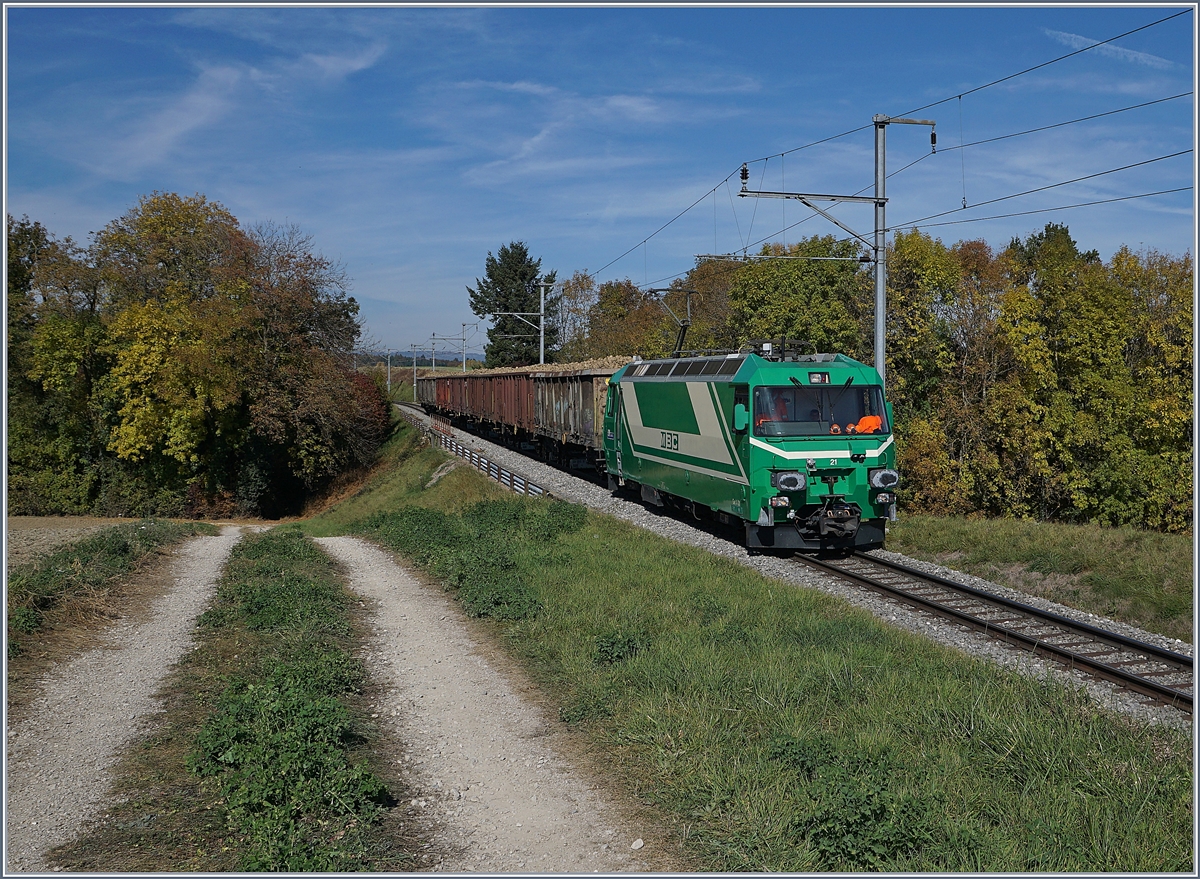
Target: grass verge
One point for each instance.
(1136, 576)
(77, 584)
(263, 760)
(778, 728)
(408, 463)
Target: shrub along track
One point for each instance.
(60, 754)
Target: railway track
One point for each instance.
(1151, 671)
(1159, 674)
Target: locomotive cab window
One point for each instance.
(819, 411)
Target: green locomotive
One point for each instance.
(800, 449)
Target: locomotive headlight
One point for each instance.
(885, 497)
(780, 500)
(791, 480)
(883, 478)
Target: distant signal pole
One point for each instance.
(413, 347)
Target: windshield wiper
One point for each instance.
(833, 402)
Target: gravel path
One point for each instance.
(89, 709)
(589, 494)
(494, 786)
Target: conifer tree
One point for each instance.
(510, 284)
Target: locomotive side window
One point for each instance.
(819, 411)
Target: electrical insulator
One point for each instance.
(933, 138)
(745, 175)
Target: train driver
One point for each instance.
(778, 410)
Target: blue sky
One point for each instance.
(410, 142)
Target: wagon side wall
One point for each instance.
(426, 391)
(569, 407)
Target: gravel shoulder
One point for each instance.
(87, 710)
(494, 782)
(977, 644)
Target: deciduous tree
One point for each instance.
(183, 360)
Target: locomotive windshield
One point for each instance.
(823, 410)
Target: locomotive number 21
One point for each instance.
(669, 441)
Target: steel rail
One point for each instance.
(1068, 654)
(1113, 639)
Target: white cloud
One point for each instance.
(521, 87)
(158, 136)
(337, 67)
(1075, 41)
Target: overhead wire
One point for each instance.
(1041, 189)
(1061, 124)
(958, 96)
(1047, 64)
(754, 213)
(986, 85)
(924, 156)
(962, 156)
(666, 224)
(1082, 204)
(921, 158)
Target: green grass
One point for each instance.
(778, 728)
(1136, 576)
(262, 762)
(77, 581)
(406, 464)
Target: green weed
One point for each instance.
(472, 552)
(279, 742)
(261, 762)
(83, 574)
(780, 729)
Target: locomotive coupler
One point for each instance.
(836, 519)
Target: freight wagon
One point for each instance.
(797, 450)
(555, 410)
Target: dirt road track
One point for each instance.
(495, 787)
(89, 709)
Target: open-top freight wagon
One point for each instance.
(556, 410)
(799, 451)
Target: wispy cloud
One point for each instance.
(1075, 41)
(337, 67)
(520, 87)
(157, 136)
(217, 93)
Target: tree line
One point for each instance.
(1037, 381)
(180, 364)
